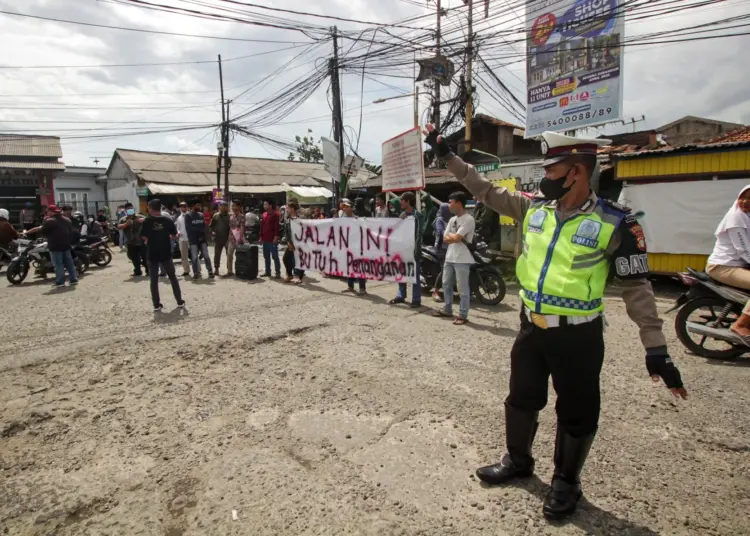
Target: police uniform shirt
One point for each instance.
(626, 251)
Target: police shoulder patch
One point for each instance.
(616, 206)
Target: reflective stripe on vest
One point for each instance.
(563, 269)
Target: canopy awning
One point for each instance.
(176, 189)
(158, 188)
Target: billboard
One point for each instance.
(574, 64)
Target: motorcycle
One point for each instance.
(99, 253)
(485, 281)
(35, 254)
(706, 311)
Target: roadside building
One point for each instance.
(138, 176)
(84, 189)
(28, 168)
(684, 192)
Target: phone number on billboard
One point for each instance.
(579, 117)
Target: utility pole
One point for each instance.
(436, 110)
(223, 127)
(227, 162)
(469, 89)
(338, 120)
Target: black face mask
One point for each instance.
(554, 189)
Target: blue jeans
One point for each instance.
(195, 249)
(416, 287)
(271, 250)
(63, 260)
(457, 273)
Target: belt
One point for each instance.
(556, 321)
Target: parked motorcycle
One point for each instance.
(485, 281)
(706, 311)
(34, 254)
(99, 252)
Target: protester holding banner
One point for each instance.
(408, 206)
(347, 211)
(292, 210)
(381, 208)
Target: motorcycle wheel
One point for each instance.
(708, 309)
(16, 274)
(81, 261)
(489, 287)
(103, 258)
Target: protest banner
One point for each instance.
(403, 167)
(381, 249)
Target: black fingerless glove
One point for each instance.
(660, 364)
(441, 148)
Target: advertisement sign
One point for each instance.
(217, 196)
(403, 166)
(381, 249)
(574, 67)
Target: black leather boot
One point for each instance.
(570, 455)
(520, 429)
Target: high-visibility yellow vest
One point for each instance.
(563, 269)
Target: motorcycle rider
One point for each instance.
(7, 233)
(730, 258)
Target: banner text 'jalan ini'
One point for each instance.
(378, 248)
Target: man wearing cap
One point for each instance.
(571, 240)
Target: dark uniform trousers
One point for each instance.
(573, 355)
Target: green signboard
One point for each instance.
(142, 191)
(484, 168)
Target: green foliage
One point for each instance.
(308, 149)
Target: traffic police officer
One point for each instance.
(572, 242)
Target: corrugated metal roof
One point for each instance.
(200, 170)
(19, 145)
(682, 149)
(14, 164)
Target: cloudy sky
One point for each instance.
(79, 81)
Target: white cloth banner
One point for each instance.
(681, 217)
(367, 248)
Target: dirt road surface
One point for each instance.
(271, 409)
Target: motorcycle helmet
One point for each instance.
(4, 214)
(77, 215)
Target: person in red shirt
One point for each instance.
(270, 229)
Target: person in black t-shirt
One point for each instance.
(157, 232)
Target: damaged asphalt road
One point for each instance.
(267, 408)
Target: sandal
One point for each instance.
(396, 301)
(441, 314)
(460, 321)
(348, 291)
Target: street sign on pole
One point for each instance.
(331, 158)
(403, 166)
(352, 165)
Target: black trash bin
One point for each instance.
(246, 261)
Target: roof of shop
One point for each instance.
(200, 170)
(30, 146)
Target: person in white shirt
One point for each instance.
(458, 259)
(729, 262)
(182, 238)
(381, 208)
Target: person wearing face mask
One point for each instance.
(182, 240)
(131, 224)
(571, 240)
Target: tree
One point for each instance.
(308, 150)
(372, 168)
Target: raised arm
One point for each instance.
(502, 200)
